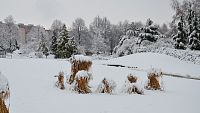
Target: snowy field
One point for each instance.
(32, 86)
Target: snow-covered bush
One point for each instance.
(78, 63)
(106, 86)
(81, 82)
(125, 46)
(131, 85)
(149, 39)
(154, 80)
(185, 55)
(128, 45)
(39, 54)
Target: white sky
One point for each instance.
(43, 12)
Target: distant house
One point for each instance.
(2, 52)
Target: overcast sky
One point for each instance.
(43, 12)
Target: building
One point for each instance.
(22, 35)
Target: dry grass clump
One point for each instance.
(78, 64)
(130, 85)
(81, 85)
(3, 108)
(60, 82)
(154, 80)
(106, 86)
(4, 93)
(81, 82)
(132, 79)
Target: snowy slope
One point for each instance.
(166, 63)
(32, 87)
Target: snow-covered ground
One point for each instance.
(32, 86)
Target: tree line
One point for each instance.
(102, 37)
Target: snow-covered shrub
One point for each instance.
(125, 46)
(128, 45)
(39, 54)
(4, 93)
(149, 39)
(60, 82)
(101, 57)
(81, 82)
(106, 86)
(79, 62)
(154, 80)
(131, 85)
(185, 55)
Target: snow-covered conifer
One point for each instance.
(65, 45)
(194, 37)
(181, 37)
(149, 32)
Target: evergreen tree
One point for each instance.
(194, 37)
(54, 45)
(44, 49)
(189, 19)
(149, 32)
(71, 46)
(189, 27)
(180, 38)
(43, 46)
(65, 45)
